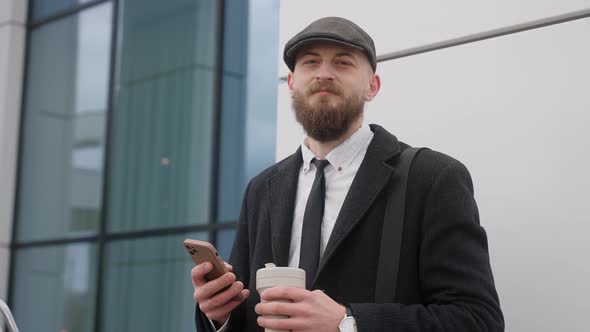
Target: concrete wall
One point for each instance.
(12, 43)
(515, 109)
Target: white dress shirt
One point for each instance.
(345, 160)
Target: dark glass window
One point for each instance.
(225, 241)
(101, 249)
(248, 107)
(55, 288)
(162, 128)
(44, 8)
(61, 170)
(148, 285)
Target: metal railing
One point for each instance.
(8, 319)
(508, 30)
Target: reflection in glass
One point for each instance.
(43, 8)
(162, 128)
(64, 126)
(148, 285)
(54, 288)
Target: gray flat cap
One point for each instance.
(333, 29)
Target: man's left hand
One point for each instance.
(306, 311)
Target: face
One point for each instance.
(329, 87)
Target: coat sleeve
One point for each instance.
(456, 282)
(240, 262)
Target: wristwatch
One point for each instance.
(347, 324)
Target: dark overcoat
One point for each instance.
(444, 280)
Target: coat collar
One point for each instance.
(282, 190)
(372, 176)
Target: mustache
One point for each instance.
(324, 86)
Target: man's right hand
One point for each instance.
(214, 304)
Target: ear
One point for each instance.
(290, 83)
(374, 86)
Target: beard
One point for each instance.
(326, 118)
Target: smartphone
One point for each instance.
(201, 252)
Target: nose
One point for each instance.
(324, 72)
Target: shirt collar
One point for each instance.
(342, 155)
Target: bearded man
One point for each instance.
(324, 209)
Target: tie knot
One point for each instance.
(320, 164)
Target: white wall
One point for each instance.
(515, 110)
(12, 36)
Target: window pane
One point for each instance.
(5, 255)
(225, 242)
(64, 125)
(43, 8)
(231, 179)
(248, 118)
(54, 288)
(148, 285)
(160, 162)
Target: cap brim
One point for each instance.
(291, 52)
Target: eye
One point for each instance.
(309, 61)
(345, 63)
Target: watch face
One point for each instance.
(347, 324)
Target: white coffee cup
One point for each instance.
(271, 276)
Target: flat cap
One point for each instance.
(333, 29)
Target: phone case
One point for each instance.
(201, 252)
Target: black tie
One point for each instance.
(311, 233)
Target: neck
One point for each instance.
(321, 149)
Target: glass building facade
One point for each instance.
(134, 127)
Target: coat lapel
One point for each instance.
(372, 176)
(282, 189)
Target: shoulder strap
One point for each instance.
(393, 226)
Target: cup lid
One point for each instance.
(272, 271)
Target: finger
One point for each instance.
(207, 290)
(280, 308)
(239, 297)
(227, 295)
(282, 323)
(221, 312)
(198, 273)
(284, 293)
(228, 266)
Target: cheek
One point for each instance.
(293, 87)
(364, 88)
(297, 84)
(358, 88)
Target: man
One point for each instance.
(343, 172)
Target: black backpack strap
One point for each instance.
(393, 226)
